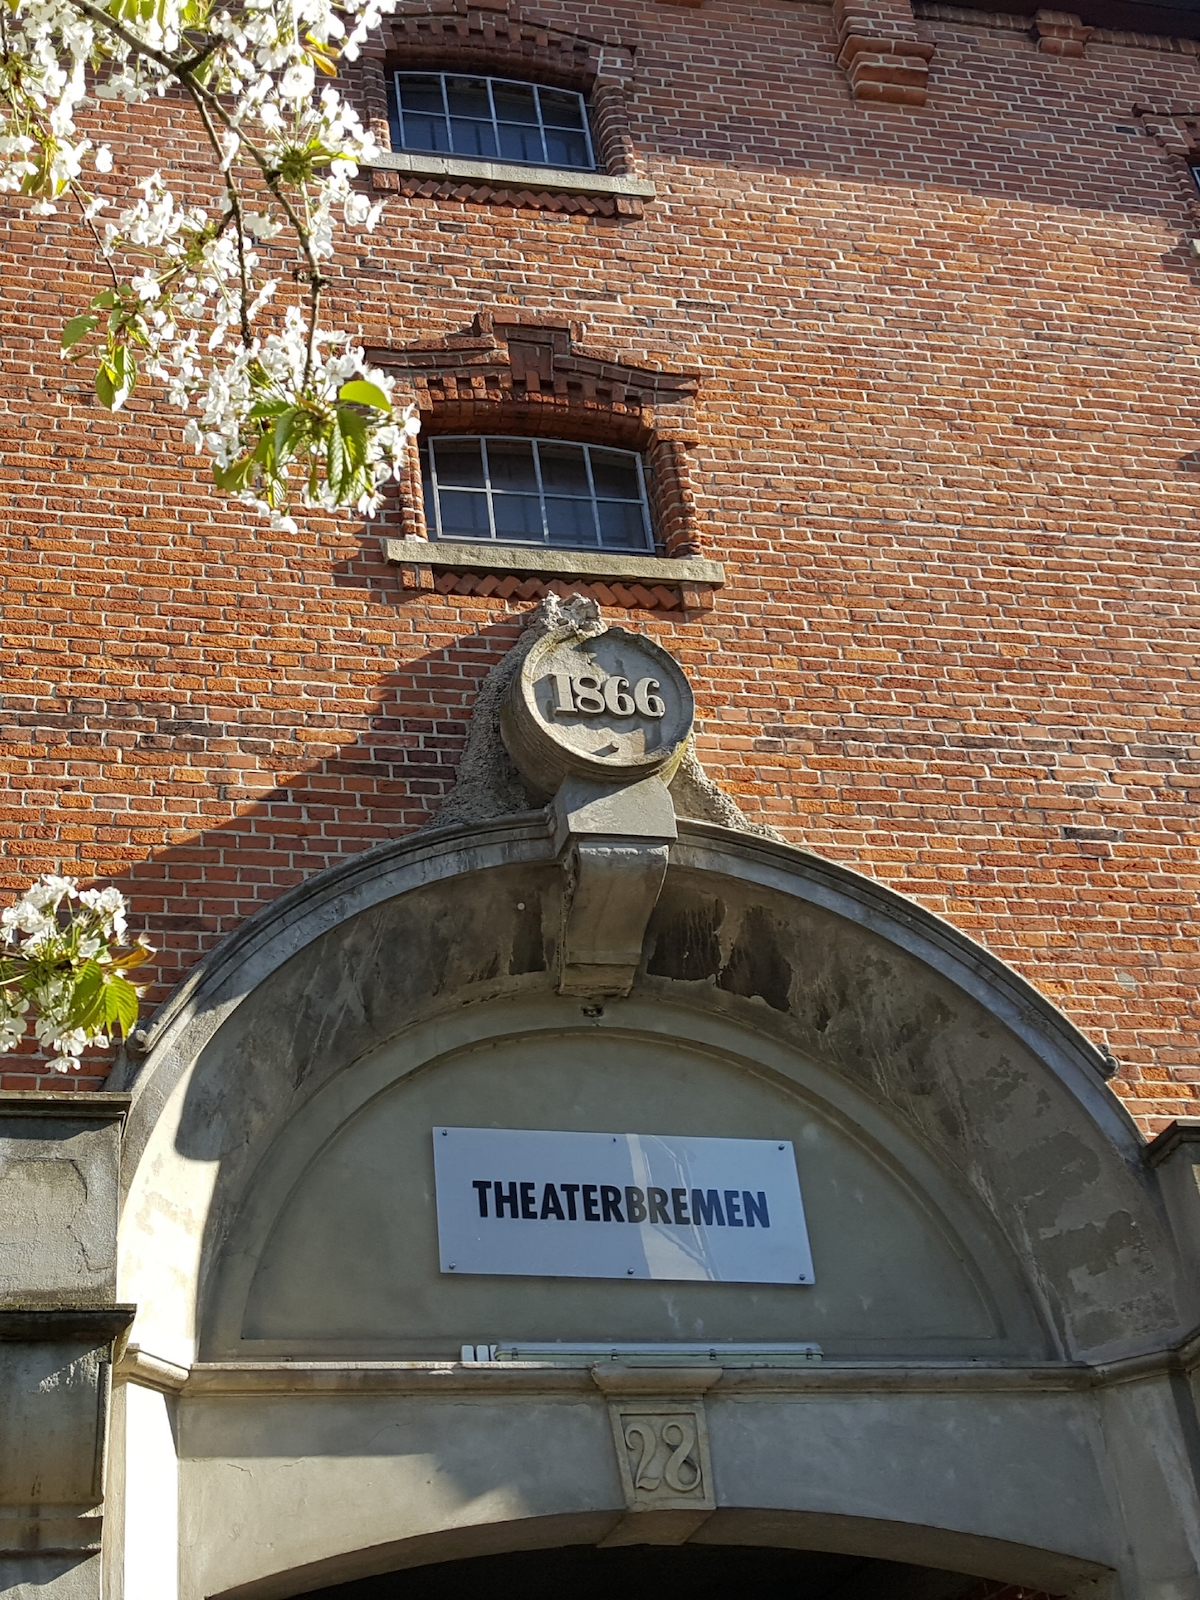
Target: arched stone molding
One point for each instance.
(208, 1097)
(922, 1546)
(958, 1292)
(1038, 1435)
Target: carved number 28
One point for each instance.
(587, 693)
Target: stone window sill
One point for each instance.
(648, 582)
(499, 183)
(504, 175)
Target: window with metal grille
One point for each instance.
(535, 491)
(491, 119)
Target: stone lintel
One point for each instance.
(60, 1104)
(616, 1379)
(55, 1324)
(296, 1376)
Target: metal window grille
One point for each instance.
(535, 492)
(491, 119)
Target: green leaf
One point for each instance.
(87, 1004)
(126, 373)
(77, 328)
(363, 393)
(116, 378)
(120, 1004)
(285, 432)
(236, 476)
(106, 387)
(263, 454)
(267, 408)
(336, 465)
(346, 453)
(104, 301)
(355, 435)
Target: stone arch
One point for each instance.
(299, 1057)
(904, 1010)
(911, 1552)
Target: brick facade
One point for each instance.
(941, 438)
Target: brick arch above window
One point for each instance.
(470, 38)
(512, 375)
(491, 42)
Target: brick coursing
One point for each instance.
(632, 596)
(880, 51)
(945, 445)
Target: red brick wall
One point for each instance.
(945, 447)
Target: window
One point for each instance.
(535, 491)
(492, 119)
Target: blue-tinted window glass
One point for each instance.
(615, 475)
(535, 491)
(515, 103)
(421, 94)
(464, 515)
(511, 464)
(427, 133)
(560, 110)
(476, 139)
(565, 149)
(564, 468)
(518, 518)
(571, 522)
(622, 525)
(460, 463)
(486, 118)
(525, 145)
(468, 97)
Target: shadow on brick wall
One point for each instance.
(265, 819)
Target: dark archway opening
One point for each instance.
(655, 1572)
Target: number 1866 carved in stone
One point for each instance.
(612, 708)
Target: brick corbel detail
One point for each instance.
(1060, 33)
(515, 374)
(1176, 131)
(531, 375)
(880, 51)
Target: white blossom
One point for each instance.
(296, 83)
(63, 957)
(193, 271)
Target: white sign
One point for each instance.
(619, 1205)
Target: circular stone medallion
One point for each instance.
(613, 709)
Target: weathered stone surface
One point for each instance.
(488, 782)
(49, 1577)
(59, 1165)
(59, 1157)
(609, 707)
(613, 841)
(988, 1241)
